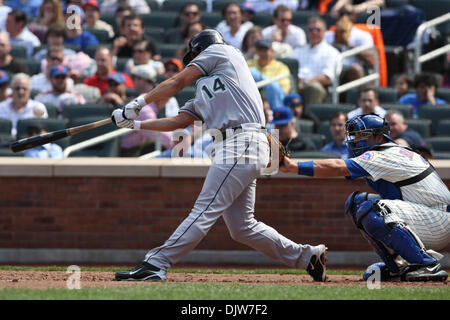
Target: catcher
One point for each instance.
(409, 218)
(228, 100)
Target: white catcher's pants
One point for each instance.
(229, 191)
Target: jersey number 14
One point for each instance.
(218, 85)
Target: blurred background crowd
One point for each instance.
(67, 63)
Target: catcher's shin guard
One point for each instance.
(395, 235)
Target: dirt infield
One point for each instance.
(58, 279)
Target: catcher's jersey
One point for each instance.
(383, 169)
(227, 95)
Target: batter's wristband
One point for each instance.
(141, 101)
(306, 168)
(137, 124)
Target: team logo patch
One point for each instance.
(367, 156)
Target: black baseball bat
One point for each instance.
(39, 140)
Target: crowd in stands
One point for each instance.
(55, 54)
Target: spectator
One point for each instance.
(367, 103)
(59, 96)
(122, 11)
(353, 7)
(346, 37)
(140, 142)
(248, 14)
(283, 119)
(103, 60)
(283, 30)
(172, 67)
(399, 130)
(143, 55)
(7, 62)
(55, 36)
(426, 85)
(132, 32)
(92, 13)
(138, 6)
(116, 94)
(402, 84)
(20, 106)
(269, 6)
(281, 50)
(337, 130)
(50, 13)
(188, 14)
(4, 10)
(268, 65)
(295, 102)
(41, 81)
(75, 35)
(191, 30)
(235, 32)
(5, 90)
(29, 7)
(19, 35)
(272, 91)
(46, 151)
(317, 62)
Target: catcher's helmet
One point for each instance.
(200, 42)
(365, 125)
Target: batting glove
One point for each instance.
(120, 121)
(132, 109)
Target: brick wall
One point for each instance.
(140, 213)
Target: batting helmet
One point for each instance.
(360, 128)
(200, 42)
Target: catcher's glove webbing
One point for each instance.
(282, 151)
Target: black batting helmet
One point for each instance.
(200, 42)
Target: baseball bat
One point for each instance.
(39, 140)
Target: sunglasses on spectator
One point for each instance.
(191, 13)
(311, 29)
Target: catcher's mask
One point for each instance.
(200, 42)
(360, 128)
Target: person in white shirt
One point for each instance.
(367, 103)
(60, 96)
(346, 37)
(92, 13)
(20, 106)
(4, 10)
(41, 81)
(317, 61)
(236, 30)
(283, 30)
(269, 6)
(16, 25)
(138, 6)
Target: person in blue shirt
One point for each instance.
(30, 7)
(426, 85)
(49, 150)
(75, 33)
(408, 219)
(337, 130)
(273, 91)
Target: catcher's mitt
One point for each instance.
(275, 143)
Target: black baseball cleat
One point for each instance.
(317, 264)
(418, 272)
(143, 272)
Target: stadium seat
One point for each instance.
(422, 126)
(435, 114)
(108, 148)
(439, 143)
(317, 138)
(443, 93)
(211, 19)
(396, 3)
(164, 20)
(168, 50)
(324, 129)
(385, 95)
(155, 33)
(262, 19)
(34, 67)
(5, 125)
(109, 18)
(153, 4)
(441, 155)
(431, 8)
(7, 152)
(184, 95)
(176, 5)
(443, 128)
(314, 155)
(18, 52)
(131, 93)
(304, 126)
(101, 35)
(326, 111)
(301, 17)
(47, 123)
(76, 111)
(293, 68)
(405, 109)
(52, 111)
(121, 63)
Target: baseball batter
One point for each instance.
(410, 216)
(226, 99)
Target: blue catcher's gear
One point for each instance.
(360, 128)
(200, 42)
